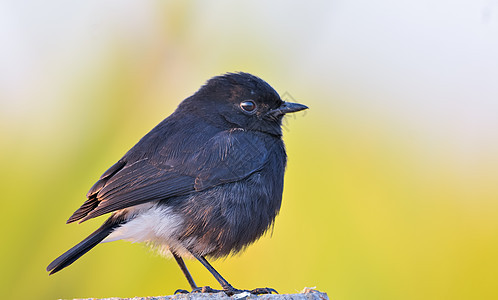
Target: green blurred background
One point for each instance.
(391, 190)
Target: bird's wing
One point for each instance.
(230, 156)
(227, 157)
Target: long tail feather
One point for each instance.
(84, 246)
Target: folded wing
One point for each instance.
(227, 157)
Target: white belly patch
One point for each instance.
(155, 225)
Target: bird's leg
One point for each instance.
(185, 271)
(224, 284)
(227, 287)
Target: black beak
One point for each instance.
(287, 107)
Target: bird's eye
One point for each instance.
(248, 106)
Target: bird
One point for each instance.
(206, 182)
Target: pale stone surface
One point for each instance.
(307, 294)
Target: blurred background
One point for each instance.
(391, 190)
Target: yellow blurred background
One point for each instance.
(391, 190)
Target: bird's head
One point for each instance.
(241, 100)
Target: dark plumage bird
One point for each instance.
(206, 182)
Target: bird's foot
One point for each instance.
(265, 290)
(230, 291)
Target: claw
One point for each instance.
(260, 291)
(180, 291)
